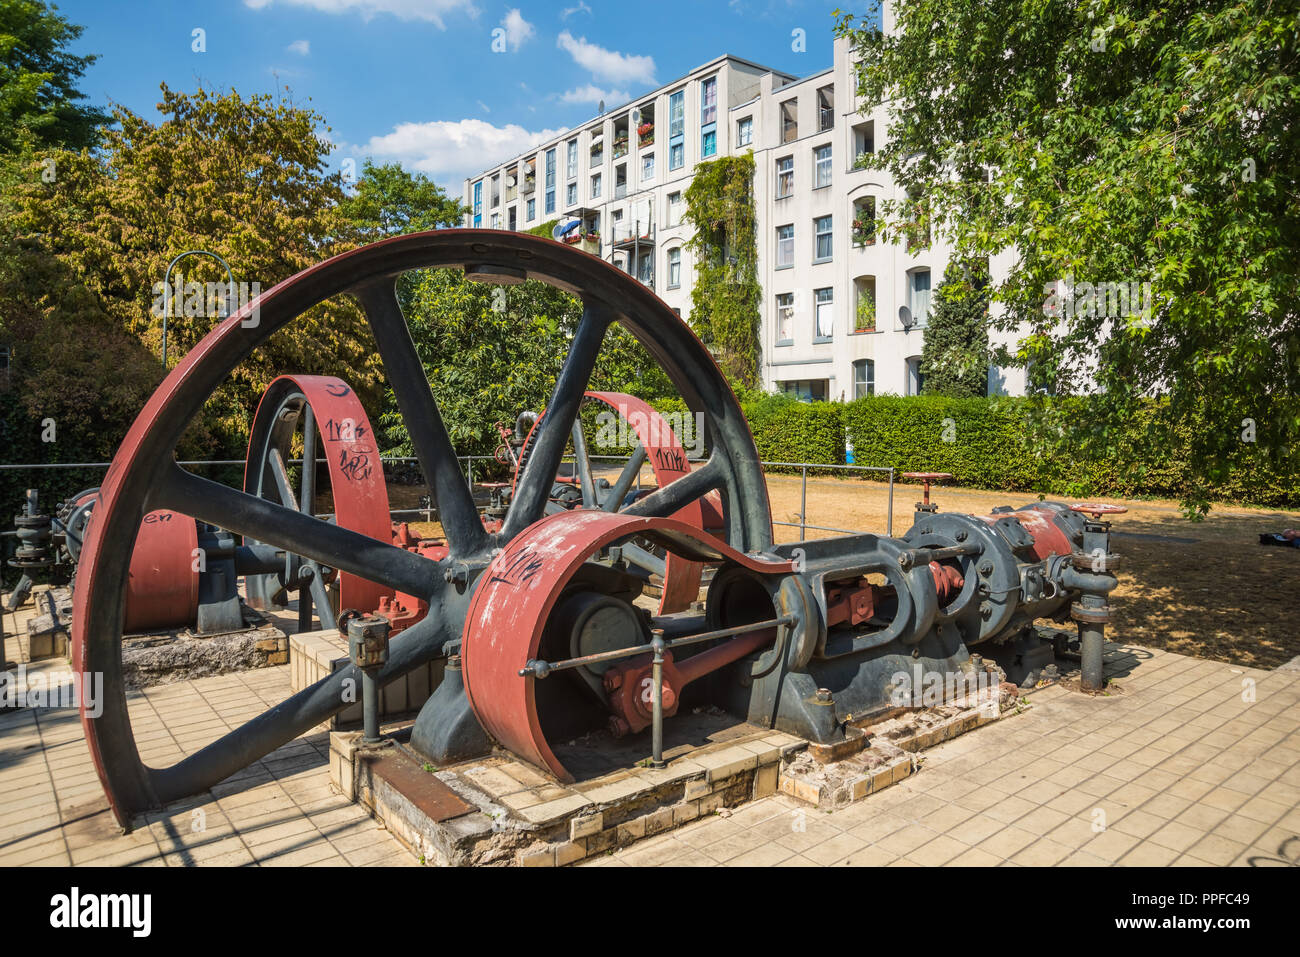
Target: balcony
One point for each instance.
(631, 235)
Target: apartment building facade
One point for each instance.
(843, 314)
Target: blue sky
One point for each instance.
(417, 81)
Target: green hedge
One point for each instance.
(987, 443)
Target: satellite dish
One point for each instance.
(905, 317)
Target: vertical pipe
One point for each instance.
(304, 605)
(1091, 643)
(803, 504)
(657, 702)
(889, 519)
(369, 706)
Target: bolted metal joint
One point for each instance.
(368, 642)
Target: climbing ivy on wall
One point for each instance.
(725, 299)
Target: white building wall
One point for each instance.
(803, 361)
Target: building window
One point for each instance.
(784, 246)
(647, 167)
(864, 378)
(864, 143)
(789, 121)
(785, 319)
(709, 101)
(745, 132)
(677, 130)
(478, 204)
(513, 219)
(806, 390)
(915, 378)
(917, 229)
(550, 181)
(572, 160)
(824, 321)
(646, 269)
(823, 245)
(496, 190)
(532, 210)
(864, 222)
(822, 166)
(825, 108)
(784, 177)
(571, 195)
(864, 315)
(918, 295)
(595, 186)
(496, 220)
(674, 268)
(709, 141)
(674, 209)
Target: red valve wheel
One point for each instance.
(1098, 509)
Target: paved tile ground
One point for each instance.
(1179, 767)
(1191, 763)
(280, 811)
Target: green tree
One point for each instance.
(489, 353)
(1115, 143)
(955, 353)
(726, 294)
(39, 100)
(389, 201)
(244, 178)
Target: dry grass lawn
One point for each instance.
(1206, 589)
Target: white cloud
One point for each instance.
(594, 94)
(431, 11)
(518, 30)
(484, 107)
(448, 151)
(608, 64)
(300, 47)
(570, 11)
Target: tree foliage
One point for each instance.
(389, 201)
(955, 354)
(39, 101)
(726, 294)
(1108, 142)
(244, 178)
(489, 352)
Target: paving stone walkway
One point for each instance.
(281, 811)
(1191, 762)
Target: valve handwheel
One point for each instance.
(926, 478)
(1098, 509)
(145, 476)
